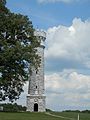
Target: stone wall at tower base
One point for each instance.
(36, 103)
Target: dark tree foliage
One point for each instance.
(12, 107)
(17, 52)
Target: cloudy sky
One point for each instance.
(67, 53)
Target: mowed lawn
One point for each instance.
(42, 116)
(83, 116)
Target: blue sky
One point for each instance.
(67, 53)
(45, 15)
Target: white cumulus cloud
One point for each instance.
(68, 89)
(53, 1)
(72, 43)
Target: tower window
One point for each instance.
(36, 87)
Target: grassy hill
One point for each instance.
(43, 116)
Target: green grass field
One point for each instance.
(42, 116)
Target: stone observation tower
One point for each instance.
(36, 97)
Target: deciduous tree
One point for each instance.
(17, 52)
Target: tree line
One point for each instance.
(78, 111)
(12, 107)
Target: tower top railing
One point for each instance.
(40, 33)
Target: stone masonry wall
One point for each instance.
(36, 81)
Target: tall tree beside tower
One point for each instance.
(17, 52)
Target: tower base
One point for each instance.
(36, 103)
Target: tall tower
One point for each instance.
(36, 97)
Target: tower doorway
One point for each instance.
(35, 107)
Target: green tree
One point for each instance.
(17, 52)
